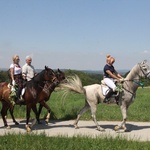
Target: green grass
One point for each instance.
(68, 107)
(42, 142)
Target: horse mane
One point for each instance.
(132, 73)
(36, 79)
(38, 76)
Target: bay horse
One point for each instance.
(31, 95)
(94, 96)
(45, 94)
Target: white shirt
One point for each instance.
(17, 69)
(28, 71)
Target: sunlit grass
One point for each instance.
(68, 107)
(42, 142)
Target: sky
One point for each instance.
(75, 34)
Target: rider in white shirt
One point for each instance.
(16, 75)
(28, 71)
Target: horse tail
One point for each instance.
(73, 83)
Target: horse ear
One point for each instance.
(46, 67)
(59, 70)
(144, 62)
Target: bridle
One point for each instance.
(145, 74)
(47, 80)
(135, 80)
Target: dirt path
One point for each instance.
(137, 130)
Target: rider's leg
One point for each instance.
(108, 95)
(19, 94)
(110, 83)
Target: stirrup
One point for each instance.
(21, 99)
(105, 100)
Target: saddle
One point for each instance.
(106, 89)
(13, 93)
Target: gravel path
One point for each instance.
(137, 130)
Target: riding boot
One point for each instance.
(108, 95)
(19, 95)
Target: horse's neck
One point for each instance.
(131, 77)
(50, 86)
(133, 74)
(39, 78)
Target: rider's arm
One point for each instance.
(12, 73)
(112, 75)
(118, 75)
(24, 72)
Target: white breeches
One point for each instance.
(110, 82)
(23, 91)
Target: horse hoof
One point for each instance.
(76, 127)
(46, 121)
(16, 123)
(8, 127)
(28, 128)
(39, 122)
(101, 129)
(116, 128)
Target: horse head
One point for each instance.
(60, 75)
(50, 75)
(145, 69)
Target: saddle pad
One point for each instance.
(104, 89)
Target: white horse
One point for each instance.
(93, 93)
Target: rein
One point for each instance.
(48, 86)
(45, 83)
(130, 92)
(137, 81)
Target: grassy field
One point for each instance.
(41, 142)
(68, 108)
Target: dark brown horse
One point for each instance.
(31, 95)
(45, 94)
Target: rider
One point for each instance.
(28, 71)
(109, 75)
(16, 76)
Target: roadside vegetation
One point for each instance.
(42, 142)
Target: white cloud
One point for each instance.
(145, 52)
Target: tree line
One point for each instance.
(86, 78)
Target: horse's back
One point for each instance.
(4, 90)
(92, 87)
(3, 85)
(93, 91)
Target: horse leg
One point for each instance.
(43, 103)
(93, 112)
(36, 115)
(82, 111)
(124, 115)
(28, 110)
(4, 110)
(39, 112)
(11, 110)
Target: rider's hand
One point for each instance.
(13, 82)
(121, 79)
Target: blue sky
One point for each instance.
(75, 34)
